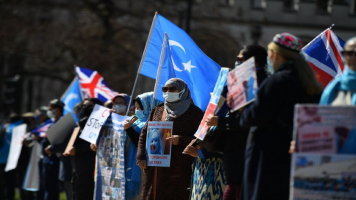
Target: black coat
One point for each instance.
(83, 167)
(267, 161)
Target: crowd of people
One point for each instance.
(250, 159)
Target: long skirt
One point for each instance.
(208, 180)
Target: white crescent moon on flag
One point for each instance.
(174, 43)
(68, 99)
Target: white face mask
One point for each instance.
(50, 114)
(172, 96)
(119, 108)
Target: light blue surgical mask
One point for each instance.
(140, 114)
(270, 67)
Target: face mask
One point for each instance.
(237, 63)
(172, 96)
(85, 112)
(119, 108)
(270, 66)
(50, 114)
(140, 114)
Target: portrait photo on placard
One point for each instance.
(108, 143)
(108, 172)
(102, 142)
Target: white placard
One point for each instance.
(15, 147)
(96, 120)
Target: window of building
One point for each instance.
(258, 3)
(323, 6)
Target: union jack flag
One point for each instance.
(42, 129)
(323, 54)
(92, 85)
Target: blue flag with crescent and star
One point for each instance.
(71, 97)
(189, 62)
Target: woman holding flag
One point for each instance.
(144, 104)
(171, 182)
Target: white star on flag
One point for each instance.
(188, 66)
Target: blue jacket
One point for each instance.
(6, 141)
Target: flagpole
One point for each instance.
(80, 87)
(142, 59)
(159, 70)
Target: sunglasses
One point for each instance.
(169, 89)
(348, 53)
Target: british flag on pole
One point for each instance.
(323, 54)
(92, 85)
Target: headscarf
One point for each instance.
(127, 100)
(133, 176)
(345, 82)
(146, 100)
(176, 109)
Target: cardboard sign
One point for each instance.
(96, 120)
(213, 103)
(61, 130)
(72, 140)
(242, 84)
(157, 147)
(15, 146)
(32, 178)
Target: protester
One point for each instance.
(7, 179)
(144, 104)
(76, 111)
(120, 103)
(65, 167)
(235, 137)
(50, 162)
(83, 158)
(41, 115)
(21, 169)
(208, 180)
(341, 90)
(171, 182)
(271, 117)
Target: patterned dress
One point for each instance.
(208, 179)
(173, 181)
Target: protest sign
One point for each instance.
(32, 178)
(157, 147)
(242, 84)
(96, 120)
(72, 140)
(61, 130)
(213, 103)
(324, 165)
(110, 173)
(15, 146)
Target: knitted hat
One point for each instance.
(288, 41)
(286, 44)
